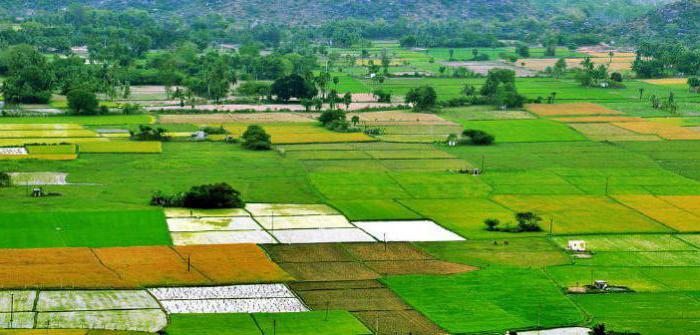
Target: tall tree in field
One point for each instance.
(30, 78)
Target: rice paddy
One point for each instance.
(348, 233)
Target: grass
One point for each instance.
(357, 210)
(507, 131)
(83, 229)
(582, 214)
(646, 313)
(517, 252)
(489, 300)
(317, 322)
(647, 242)
(121, 147)
(82, 120)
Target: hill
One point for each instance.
(677, 21)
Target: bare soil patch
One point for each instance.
(329, 271)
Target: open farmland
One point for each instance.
(160, 215)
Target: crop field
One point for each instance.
(650, 313)
(582, 214)
(135, 267)
(580, 109)
(525, 130)
(487, 304)
(83, 229)
(121, 147)
(336, 322)
(609, 132)
(296, 133)
(354, 233)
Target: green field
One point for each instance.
(35, 229)
(488, 300)
(335, 322)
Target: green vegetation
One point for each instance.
(490, 300)
(34, 229)
(318, 322)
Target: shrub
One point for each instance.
(616, 77)
(528, 221)
(215, 130)
(211, 196)
(255, 138)
(5, 180)
(330, 116)
(491, 224)
(382, 96)
(131, 109)
(478, 137)
(82, 102)
(148, 133)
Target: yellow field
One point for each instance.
(574, 109)
(300, 133)
(663, 130)
(664, 211)
(116, 135)
(121, 147)
(23, 141)
(582, 214)
(609, 132)
(598, 54)
(47, 133)
(57, 126)
(667, 81)
(57, 157)
(617, 64)
(690, 203)
(599, 119)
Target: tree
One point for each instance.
(452, 54)
(255, 138)
(382, 96)
(322, 81)
(560, 67)
(478, 137)
(257, 89)
(423, 98)
(355, 120)
(598, 329)
(29, 76)
(82, 102)
(469, 90)
(528, 221)
(500, 90)
(293, 86)
(5, 180)
(616, 77)
(307, 103)
(347, 100)
(523, 50)
(694, 84)
(213, 196)
(408, 41)
(491, 224)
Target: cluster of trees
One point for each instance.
(525, 222)
(666, 59)
(499, 89)
(210, 196)
(148, 133)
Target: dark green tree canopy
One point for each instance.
(293, 86)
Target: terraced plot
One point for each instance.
(487, 304)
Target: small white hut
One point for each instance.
(577, 245)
